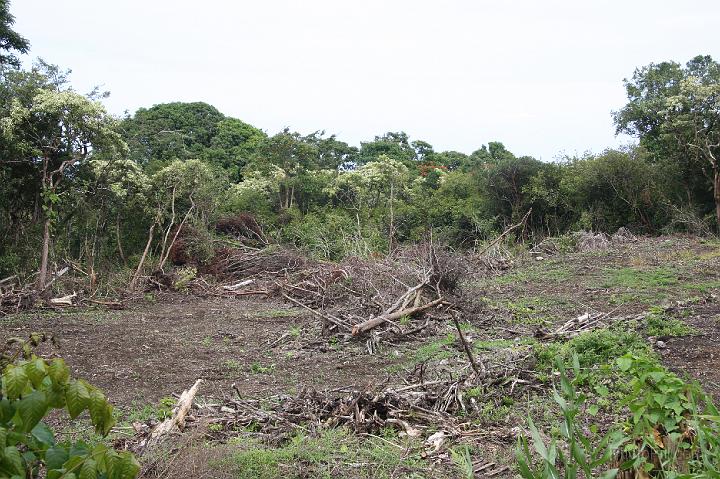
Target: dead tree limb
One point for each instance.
(506, 232)
(326, 317)
(479, 369)
(178, 416)
(378, 320)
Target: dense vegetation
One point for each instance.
(78, 185)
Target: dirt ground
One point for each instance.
(262, 347)
(151, 350)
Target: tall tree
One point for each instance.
(675, 111)
(10, 41)
(54, 133)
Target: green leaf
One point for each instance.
(609, 474)
(14, 380)
(593, 409)
(58, 371)
(538, 443)
(43, 434)
(124, 466)
(7, 411)
(36, 370)
(624, 363)
(88, 470)
(56, 457)
(13, 459)
(77, 397)
(100, 412)
(32, 409)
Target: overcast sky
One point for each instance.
(541, 76)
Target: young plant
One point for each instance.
(674, 424)
(31, 388)
(577, 455)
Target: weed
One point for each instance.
(295, 331)
(657, 323)
(593, 348)
(318, 456)
(640, 278)
(257, 368)
(232, 365)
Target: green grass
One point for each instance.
(594, 348)
(333, 453)
(658, 323)
(639, 279)
(258, 368)
(703, 287)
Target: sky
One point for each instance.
(543, 77)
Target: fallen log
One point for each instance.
(64, 300)
(233, 287)
(377, 321)
(177, 420)
(326, 317)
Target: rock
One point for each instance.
(661, 344)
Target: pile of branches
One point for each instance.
(241, 263)
(15, 297)
(416, 410)
(359, 295)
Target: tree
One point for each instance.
(10, 40)
(233, 145)
(675, 111)
(55, 133)
(171, 131)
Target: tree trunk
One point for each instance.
(135, 277)
(42, 276)
(716, 184)
(119, 241)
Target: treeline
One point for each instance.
(80, 187)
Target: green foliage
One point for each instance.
(671, 420)
(576, 453)
(594, 348)
(10, 40)
(318, 455)
(33, 387)
(640, 278)
(658, 323)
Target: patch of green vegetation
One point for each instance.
(658, 323)
(640, 297)
(318, 457)
(232, 365)
(529, 310)
(207, 341)
(704, 287)
(258, 368)
(435, 350)
(145, 412)
(295, 331)
(640, 278)
(594, 348)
